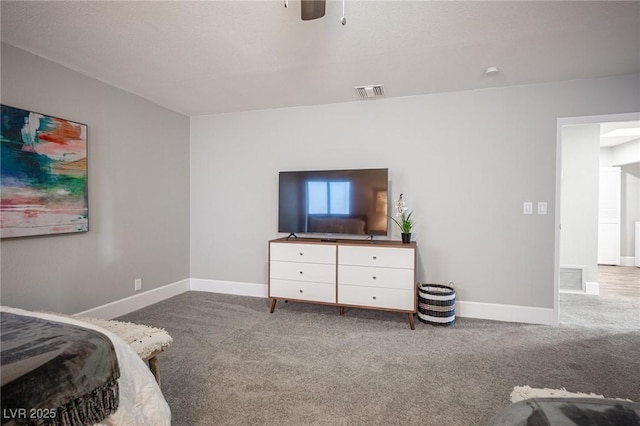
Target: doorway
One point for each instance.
(583, 224)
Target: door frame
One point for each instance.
(561, 122)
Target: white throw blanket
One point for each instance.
(144, 339)
(521, 393)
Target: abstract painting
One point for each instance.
(43, 174)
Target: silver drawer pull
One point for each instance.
(374, 277)
(300, 290)
(374, 298)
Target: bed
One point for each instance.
(569, 411)
(58, 370)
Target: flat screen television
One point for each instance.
(334, 202)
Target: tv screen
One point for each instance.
(352, 202)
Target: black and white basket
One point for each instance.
(437, 304)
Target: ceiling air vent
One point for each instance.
(370, 92)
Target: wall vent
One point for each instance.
(370, 92)
(572, 278)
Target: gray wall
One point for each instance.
(165, 209)
(465, 161)
(579, 192)
(138, 194)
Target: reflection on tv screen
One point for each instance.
(352, 202)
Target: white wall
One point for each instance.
(138, 194)
(626, 153)
(629, 193)
(580, 188)
(465, 161)
(606, 157)
(628, 156)
(630, 208)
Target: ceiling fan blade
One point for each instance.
(312, 9)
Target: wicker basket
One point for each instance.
(437, 304)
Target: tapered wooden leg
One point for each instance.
(413, 327)
(155, 368)
(273, 305)
(341, 310)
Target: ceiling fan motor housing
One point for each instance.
(312, 9)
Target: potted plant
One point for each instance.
(403, 219)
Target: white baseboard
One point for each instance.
(230, 287)
(592, 287)
(628, 261)
(489, 311)
(137, 301)
(507, 313)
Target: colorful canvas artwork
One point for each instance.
(43, 174)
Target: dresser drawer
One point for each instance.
(301, 290)
(376, 277)
(314, 272)
(310, 253)
(387, 257)
(375, 297)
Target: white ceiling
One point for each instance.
(208, 57)
(608, 137)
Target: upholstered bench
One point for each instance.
(147, 341)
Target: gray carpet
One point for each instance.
(612, 312)
(233, 363)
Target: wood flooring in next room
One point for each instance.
(619, 280)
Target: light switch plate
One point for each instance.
(527, 207)
(542, 207)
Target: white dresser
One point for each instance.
(304, 272)
(352, 273)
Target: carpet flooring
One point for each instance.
(233, 363)
(611, 312)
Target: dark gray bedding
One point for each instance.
(569, 411)
(55, 373)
